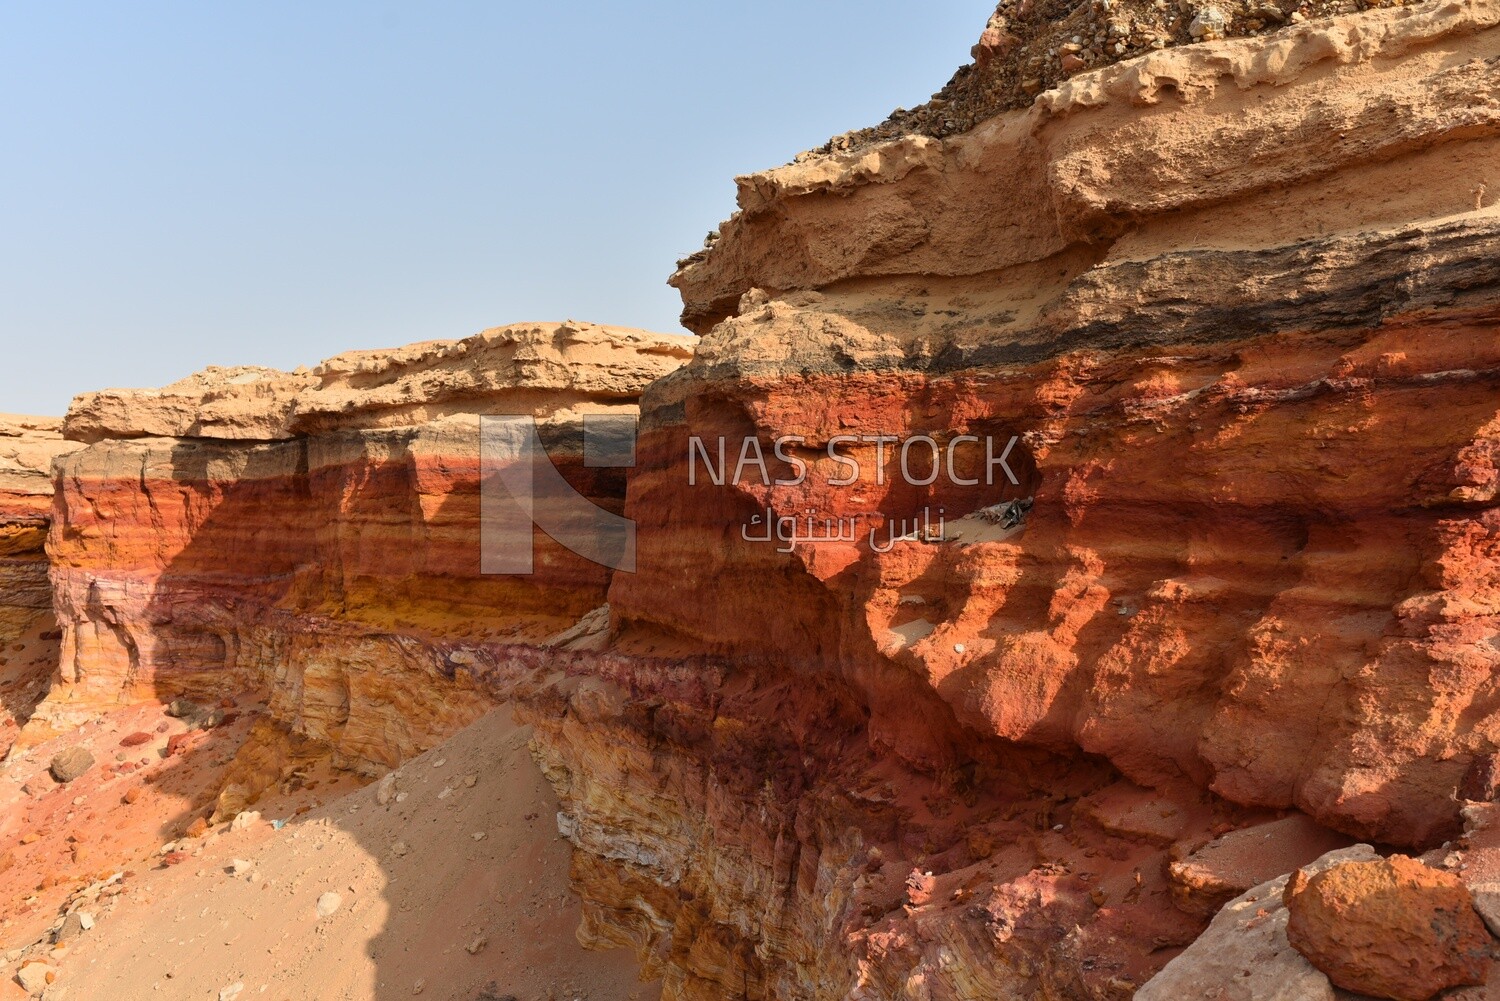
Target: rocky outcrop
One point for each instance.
(28, 630)
(311, 535)
(1202, 347)
(1181, 285)
(1197, 542)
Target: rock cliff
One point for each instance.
(308, 535)
(28, 629)
(1226, 311)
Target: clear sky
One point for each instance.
(271, 183)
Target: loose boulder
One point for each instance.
(1390, 928)
(69, 764)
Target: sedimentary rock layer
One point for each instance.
(1237, 304)
(304, 534)
(1229, 309)
(28, 630)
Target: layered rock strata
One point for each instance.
(306, 534)
(1237, 303)
(28, 629)
(1226, 310)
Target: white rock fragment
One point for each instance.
(1208, 25)
(328, 903)
(1487, 903)
(33, 977)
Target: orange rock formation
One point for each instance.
(1235, 303)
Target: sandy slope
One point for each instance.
(450, 890)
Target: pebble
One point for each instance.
(248, 818)
(328, 903)
(239, 866)
(230, 992)
(386, 790)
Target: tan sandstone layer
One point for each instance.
(28, 629)
(1236, 302)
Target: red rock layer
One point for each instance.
(1236, 302)
(319, 569)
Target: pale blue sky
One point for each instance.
(272, 183)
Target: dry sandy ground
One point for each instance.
(454, 887)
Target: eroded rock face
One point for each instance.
(1181, 283)
(1389, 928)
(1234, 303)
(28, 629)
(315, 544)
(1201, 346)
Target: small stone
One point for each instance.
(244, 820)
(135, 739)
(419, 986)
(71, 928)
(239, 867)
(470, 780)
(476, 945)
(182, 709)
(197, 828)
(33, 977)
(399, 849)
(69, 764)
(86, 920)
(1070, 64)
(328, 903)
(919, 887)
(1208, 25)
(385, 790)
(133, 794)
(231, 992)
